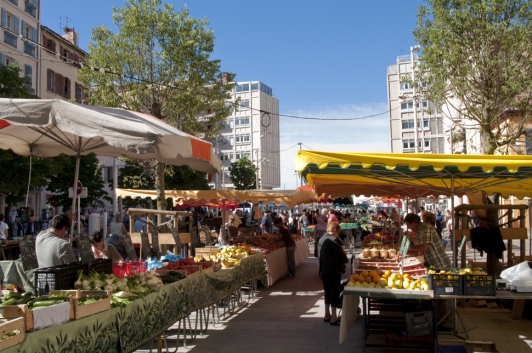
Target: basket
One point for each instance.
(99, 266)
(418, 343)
(479, 285)
(122, 270)
(138, 267)
(58, 277)
(449, 284)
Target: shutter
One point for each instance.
(44, 42)
(2, 59)
(68, 87)
(61, 52)
(49, 80)
(76, 90)
(4, 18)
(27, 70)
(53, 46)
(35, 35)
(17, 24)
(24, 29)
(57, 88)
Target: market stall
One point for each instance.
(124, 329)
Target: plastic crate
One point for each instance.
(58, 277)
(479, 285)
(99, 266)
(122, 269)
(395, 342)
(445, 284)
(419, 323)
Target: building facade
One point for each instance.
(59, 66)
(406, 107)
(20, 22)
(251, 131)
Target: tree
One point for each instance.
(135, 176)
(476, 60)
(12, 85)
(159, 63)
(243, 174)
(90, 176)
(14, 179)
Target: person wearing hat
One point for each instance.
(266, 224)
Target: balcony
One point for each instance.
(10, 39)
(31, 9)
(30, 49)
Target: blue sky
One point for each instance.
(323, 59)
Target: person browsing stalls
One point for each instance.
(102, 250)
(52, 246)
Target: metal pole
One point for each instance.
(412, 49)
(115, 186)
(74, 190)
(257, 170)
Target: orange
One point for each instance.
(372, 273)
(406, 275)
(369, 279)
(376, 279)
(354, 277)
(364, 274)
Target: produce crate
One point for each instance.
(208, 250)
(419, 323)
(8, 326)
(81, 311)
(207, 269)
(479, 285)
(22, 311)
(450, 284)
(395, 340)
(99, 266)
(195, 269)
(122, 270)
(59, 277)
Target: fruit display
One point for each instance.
(229, 256)
(382, 237)
(379, 252)
(387, 280)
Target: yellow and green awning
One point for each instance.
(414, 175)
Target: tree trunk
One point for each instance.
(2, 203)
(160, 187)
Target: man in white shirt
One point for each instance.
(4, 228)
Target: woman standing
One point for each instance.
(321, 227)
(117, 227)
(332, 265)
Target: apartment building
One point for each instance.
(20, 22)
(406, 107)
(251, 131)
(59, 65)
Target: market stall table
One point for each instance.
(7, 245)
(276, 265)
(302, 251)
(124, 329)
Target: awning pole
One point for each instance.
(453, 231)
(74, 191)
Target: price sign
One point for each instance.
(404, 249)
(461, 245)
(145, 244)
(403, 242)
(129, 247)
(84, 248)
(27, 252)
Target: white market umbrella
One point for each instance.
(50, 127)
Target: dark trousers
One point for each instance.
(332, 288)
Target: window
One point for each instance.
(31, 7)
(231, 123)
(407, 144)
(79, 92)
(405, 85)
(405, 68)
(66, 88)
(50, 80)
(407, 105)
(241, 138)
(244, 104)
(30, 49)
(14, 2)
(9, 61)
(243, 88)
(49, 45)
(254, 86)
(408, 124)
(265, 89)
(242, 121)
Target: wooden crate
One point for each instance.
(22, 311)
(80, 293)
(193, 267)
(81, 311)
(209, 269)
(10, 326)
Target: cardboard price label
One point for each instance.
(404, 249)
(461, 245)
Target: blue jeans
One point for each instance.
(291, 261)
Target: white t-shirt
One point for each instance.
(3, 228)
(13, 216)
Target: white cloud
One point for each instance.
(365, 135)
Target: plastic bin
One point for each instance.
(479, 285)
(56, 278)
(99, 266)
(122, 269)
(446, 284)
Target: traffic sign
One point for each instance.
(79, 188)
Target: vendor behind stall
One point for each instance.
(52, 247)
(102, 250)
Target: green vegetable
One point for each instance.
(28, 294)
(11, 301)
(48, 302)
(88, 300)
(60, 295)
(11, 295)
(38, 299)
(23, 300)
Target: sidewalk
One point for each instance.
(288, 317)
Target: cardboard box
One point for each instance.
(9, 326)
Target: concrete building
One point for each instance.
(406, 107)
(251, 131)
(59, 66)
(21, 18)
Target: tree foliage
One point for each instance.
(12, 85)
(90, 176)
(477, 61)
(159, 63)
(243, 174)
(136, 175)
